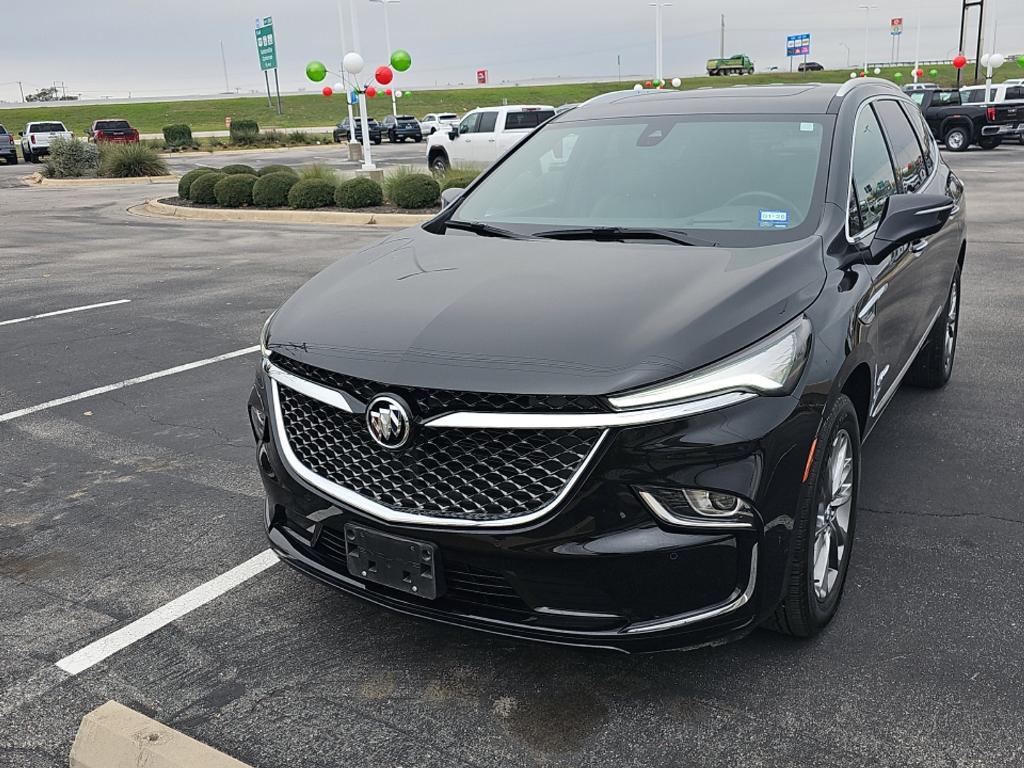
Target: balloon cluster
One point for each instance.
(675, 82)
(353, 64)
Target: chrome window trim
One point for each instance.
(734, 603)
(359, 502)
(863, 234)
(691, 521)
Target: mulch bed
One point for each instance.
(375, 209)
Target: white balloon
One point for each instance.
(984, 60)
(339, 87)
(996, 60)
(676, 82)
(853, 75)
(878, 70)
(353, 63)
(638, 87)
(398, 94)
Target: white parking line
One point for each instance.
(95, 652)
(64, 311)
(11, 415)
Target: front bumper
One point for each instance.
(600, 570)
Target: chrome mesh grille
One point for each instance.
(465, 474)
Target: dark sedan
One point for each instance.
(614, 394)
(342, 131)
(402, 127)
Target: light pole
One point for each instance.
(867, 19)
(387, 41)
(345, 80)
(659, 48)
(847, 54)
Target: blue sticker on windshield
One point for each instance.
(773, 219)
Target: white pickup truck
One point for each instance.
(36, 138)
(484, 135)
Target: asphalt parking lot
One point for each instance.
(116, 504)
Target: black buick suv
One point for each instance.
(614, 394)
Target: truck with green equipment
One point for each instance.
(740, 64)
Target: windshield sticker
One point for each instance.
(807, 127)
(774, 219)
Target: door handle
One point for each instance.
(491, 141)
(918, 246)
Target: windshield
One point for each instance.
(448, 117)
(760, 176)
(47, 127)
(112, 125)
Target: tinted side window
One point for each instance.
(947, 98)
(469, 123)
(924, 135)
(906, 152)
(974, 96)
(873, 177)
(487, 122)
(519, 120)
(1015, 93)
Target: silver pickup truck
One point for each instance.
(8, 151)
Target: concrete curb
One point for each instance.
(114, 736)
(39, 180)
(337, 218)
(228, 150)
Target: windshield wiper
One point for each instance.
(479, 228)
(624, 233)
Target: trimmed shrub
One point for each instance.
(319, 171)
(300, 137)
(271, 191)
(390, 179)
(71, 158)
(268, 169)
(234, 190)
(457, 177)
(125, 161)
(178, 135)
(359, 192)
(311, 193)
(230, 170)
(417, 190)
(244, 132)
(186, 181)
(201, 190)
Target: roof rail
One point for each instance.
(853, 82)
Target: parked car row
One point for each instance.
(37, 137)
(965, 117)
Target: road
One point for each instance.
(117, 503)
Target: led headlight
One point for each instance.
(772, 366)
(264, 350)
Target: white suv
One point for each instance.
(439, 121)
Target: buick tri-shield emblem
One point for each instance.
(389, 421)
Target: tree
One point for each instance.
(49, 94)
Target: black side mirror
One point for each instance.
(906, 218)
(453, 134)
(21, 133)
(450, 196)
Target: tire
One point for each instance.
(377, 141)
(419, 139)
(392, 139)
(934, 363)
(12, 159)
(989, 142)
(807, 607)
(433, 131)
(27, 154)
(957, 139)
(439, 163)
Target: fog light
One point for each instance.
(696, 508)
(258, 421)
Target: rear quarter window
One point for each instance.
(526, 120)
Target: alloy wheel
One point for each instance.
(955, 140)
(952, 315)
(835, 504)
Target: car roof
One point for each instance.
(745, 99)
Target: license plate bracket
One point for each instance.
(407, 565)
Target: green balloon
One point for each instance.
(316, 71)
(933, 72)
(406, 93)
(401, 60)
(1020, 61)
(898, 75)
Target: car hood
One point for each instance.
(465, 312)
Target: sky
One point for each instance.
(141, 48)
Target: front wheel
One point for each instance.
(823, 529)
(957, 139)
(439, 163)
(934, 363)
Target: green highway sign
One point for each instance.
(266, 45)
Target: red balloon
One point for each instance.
(960, 61)
(384, 75)
(387, 91)
(371, 92)
(863, 74)
(648, 84)
(919, 72)
(327, 91)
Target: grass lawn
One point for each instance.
(314, 109)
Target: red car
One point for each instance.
(117, 131)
